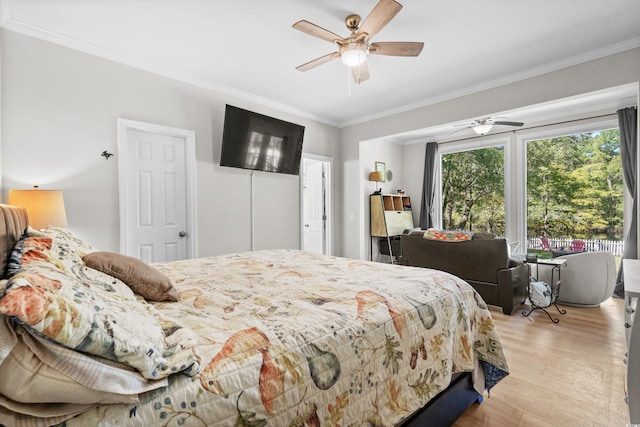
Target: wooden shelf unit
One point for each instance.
(390, 215)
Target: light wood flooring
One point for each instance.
(565, 374)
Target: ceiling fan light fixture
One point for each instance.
(353, 54)
(481, 129)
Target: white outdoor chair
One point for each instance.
(588, 278)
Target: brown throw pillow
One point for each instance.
(141, 277)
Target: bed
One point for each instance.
(266, 338)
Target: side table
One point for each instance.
(554, 286)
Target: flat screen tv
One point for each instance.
(258, 142)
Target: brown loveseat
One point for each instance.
(482, 262)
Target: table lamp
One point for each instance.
(44, 207)
(376, 176)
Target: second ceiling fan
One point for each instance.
(354, 49)
(482, 126)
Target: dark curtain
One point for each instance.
(628, 123)
(428, 186)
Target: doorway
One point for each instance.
(157, 191)
(316, 198)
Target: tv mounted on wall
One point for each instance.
(258, 142)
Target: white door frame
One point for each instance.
(328, 200)
(190, 176)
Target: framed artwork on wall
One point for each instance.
(380, 167)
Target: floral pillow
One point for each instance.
(83, 309)
(448, 235)
(66, 248)
(59, 248)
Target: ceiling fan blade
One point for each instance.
(508, 123)
(316, 31)
(380, 16)
(360, 72)
(458, 130)
(318, 61)
(396, 48)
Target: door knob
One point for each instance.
(182, 233)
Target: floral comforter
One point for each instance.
(288, 338)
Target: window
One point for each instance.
(563, 182)
(473, 190)
(575, 191)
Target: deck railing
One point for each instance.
(613, 246)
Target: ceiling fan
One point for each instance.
(483, 126)
(354, 49)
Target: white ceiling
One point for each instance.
(248, 48)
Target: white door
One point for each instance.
(316, 205)
(154, 195)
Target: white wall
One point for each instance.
(611, 71)
(413, 175)
(391, 155)
(59, 111)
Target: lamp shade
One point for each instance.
(376, 176)
(44, 207)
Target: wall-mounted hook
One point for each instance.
(106, 154)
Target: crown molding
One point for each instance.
(95, 50)
(37, 32)
(534, 72)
